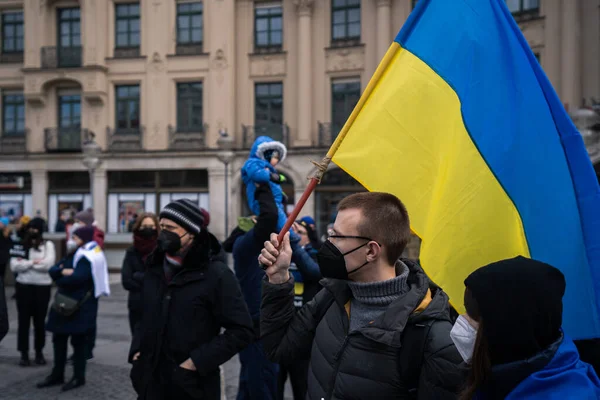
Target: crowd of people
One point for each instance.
(81, 277)
(342, 318)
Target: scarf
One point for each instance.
(95, 255)
(143, 245)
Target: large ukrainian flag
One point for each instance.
(461, 123)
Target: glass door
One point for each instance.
(69, 38)
(69, 122)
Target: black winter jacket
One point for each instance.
(132, 276)
(183, 319)
(5, 246)
(363, 364)
(3, 311)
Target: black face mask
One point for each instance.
(332, 263)
(147, 233)
(169, 242)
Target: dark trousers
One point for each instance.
(32, 303)
(298, 372)
(2, 270)
(135, 316)
(258, 375)
(90, 342)
(60, 342)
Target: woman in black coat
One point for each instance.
(145, 233)
(75, 281)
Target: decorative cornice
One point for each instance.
(304, 7)
(384, 3)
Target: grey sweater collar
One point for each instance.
(384, 292)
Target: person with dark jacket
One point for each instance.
(74, 277)
(5, 246)
(512, 338)
(145, 234)
(309, 223)
(217, 251)
(379, 328)
(305, 289)
(3, 311)
(258, 375)
(187, 299)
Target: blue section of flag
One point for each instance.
(524, 134)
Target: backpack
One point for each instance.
(410, 358)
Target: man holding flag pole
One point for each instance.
(482, 153)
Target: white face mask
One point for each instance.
(71, 244)
(463, 335)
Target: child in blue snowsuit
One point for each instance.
(265, 154)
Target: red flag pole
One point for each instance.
(314, 181)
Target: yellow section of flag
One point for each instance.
(407, 137)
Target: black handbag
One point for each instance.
(67, 306)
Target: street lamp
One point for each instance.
(225, 155)
(91, 159)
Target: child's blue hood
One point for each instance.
(264, 143)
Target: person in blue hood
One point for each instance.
(265, 154)
(512, 338)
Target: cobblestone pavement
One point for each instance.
(107, 375)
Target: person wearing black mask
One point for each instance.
(145, 235)
(188, 297)
(379, 327)
(32, 259)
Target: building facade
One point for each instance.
(156, 82)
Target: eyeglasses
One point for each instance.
(331, 235)
(303, 233)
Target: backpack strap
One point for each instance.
(410, 360)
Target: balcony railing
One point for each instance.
(65, 139)
(11, 58)
(189, 49)
(187, 139)
(525, 13)
(345, 42)
(129, 139)
(272, 49)
(61, 57)
(327, 133)
(127, 52)
(279, 132)
(14, 142)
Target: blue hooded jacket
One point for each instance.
(258, 170)
(246, 248)
(564, 376)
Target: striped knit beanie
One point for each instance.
(184, 213)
